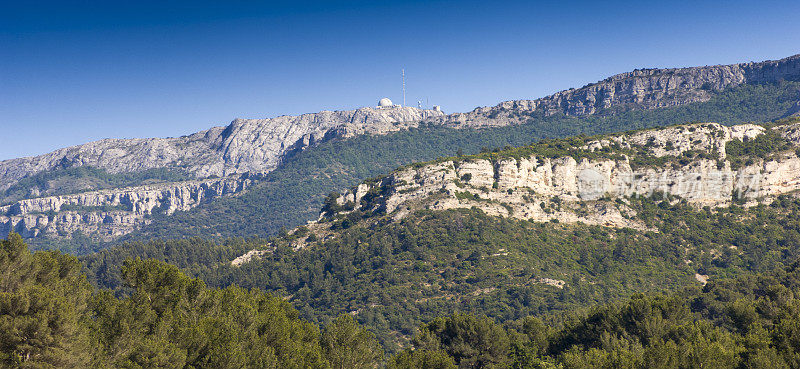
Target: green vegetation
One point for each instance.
(548, 148)
(195, 256)
(747, 322)
(89, 209)
(43, 301)
(764, 147)
(639, 156)
(51, 317)
(293, 193)
(396, 275)
(445, 289)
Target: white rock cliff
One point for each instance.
(111, 213)
(258, 145)
(543, 188)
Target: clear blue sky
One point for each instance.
(77, 71)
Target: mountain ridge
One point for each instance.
(640, 88)
(397, 250)
(245, 145)
(644, 88)
(251, 148)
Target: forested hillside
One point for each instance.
(51, 317)
(746, 322)
(129, 189)
(399, 185)
(293, 193)
(394, 273)
(393, 276)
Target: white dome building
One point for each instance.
(385, 103)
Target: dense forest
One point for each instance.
(293, 193)
(748, 322)
(392, 276)
(50, 316)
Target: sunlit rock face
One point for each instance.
(245, 145)
(224, 160)
(111, 213)
(639, 89)
(587, 190)
(257, 145)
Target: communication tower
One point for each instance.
(403, 71)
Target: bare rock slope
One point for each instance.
(256, 145)
(222, 159)
(245, 145)
(639, 89)
(111, 213)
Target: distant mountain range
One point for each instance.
(105, 190)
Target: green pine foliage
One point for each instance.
(422, 359)
(747, 322)
(44, 301)
(743, 153)
(171, 320)
(472, 342)
(195, 256)
(747, 316)
(363, 350)
(51, 317)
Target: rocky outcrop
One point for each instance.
(640, 89)
(245, 145)
(257, 145)
(569, 190)
(110, 213)
(248, 256)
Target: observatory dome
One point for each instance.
(385, 103)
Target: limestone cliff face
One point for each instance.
(220, 155)
(257, 145)
(570, 190)
(640, 89)
(110, 213)
(245, 145)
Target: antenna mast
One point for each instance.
(404, 86)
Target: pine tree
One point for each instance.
(347, 345)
